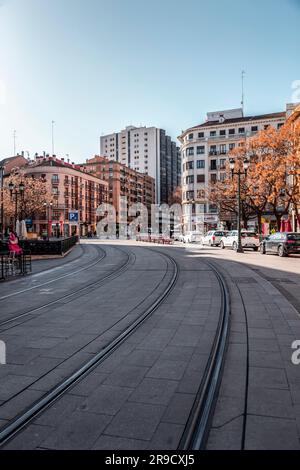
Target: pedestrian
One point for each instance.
(13, 243)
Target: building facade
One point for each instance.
(122, 182)
(295, 120)
(150, 151)
(204, 150)
(76, 195)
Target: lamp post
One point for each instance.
(48, 208)
(239, 173)
(16, 191)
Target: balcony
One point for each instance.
(55, 181)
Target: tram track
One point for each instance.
(25, 417)
(83, 268)
(87, 288)
(197, 428)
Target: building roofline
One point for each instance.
(245, 119)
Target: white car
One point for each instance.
(192, 237)
(213, 237)
(249, 240)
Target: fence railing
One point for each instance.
(12, 265)
(49, 247)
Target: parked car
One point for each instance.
(282, 243)
(192, 237)
(177, 236)
(249, 240)
(213, 237)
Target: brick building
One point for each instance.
(122, 181)
(75, 192)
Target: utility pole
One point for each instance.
(52, 123)
(243, 102)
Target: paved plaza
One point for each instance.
(142, 395)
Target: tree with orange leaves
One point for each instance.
(273, 178)
(272, 155)
(31, 201)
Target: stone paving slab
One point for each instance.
(147, 386)
(274, 382)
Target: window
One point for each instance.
(279, 125)
(190, 151)
(241, 130)
(190, 165)
(191, 136)
(231, 146)
(200, 178)
(223, 148)
(200, 194)
(213, 208)
(222, 163)
(200, 149)
(213, 150)
(222, 176)
(200, 135)
(189, 195)
(213, 133)
(223, 132)
(254, 129)
(213, 178)
(231, 131)
(189, 179)
(200, 163)
(213, 164)
(54, 178)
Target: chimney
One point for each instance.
(62, 159)
(44, 153)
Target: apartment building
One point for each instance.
(295, 120)
(204, 150)
(76, 196)
(122, 182)
(150, 151)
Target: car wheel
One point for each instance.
(222, 246)
(234, 246)
(262, 249)
(281, 251)
(255, 248)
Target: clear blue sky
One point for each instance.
(95, 66)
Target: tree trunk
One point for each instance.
(278, 219)
(259, 222)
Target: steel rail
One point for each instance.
(83, 268)
(23, 419)
(198, 425)
(91, 286)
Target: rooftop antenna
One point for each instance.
(243, 102)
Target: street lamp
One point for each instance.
(239, 173)
(48, 208)
(16, 191)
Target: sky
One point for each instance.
(96, 66)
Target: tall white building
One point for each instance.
(204, 150)
(147, 150)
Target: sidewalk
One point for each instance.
(259, 381)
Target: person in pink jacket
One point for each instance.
(13, 244)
